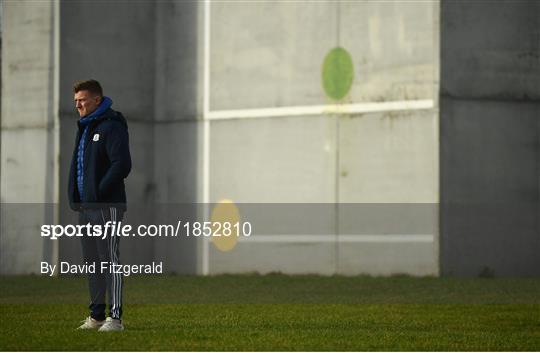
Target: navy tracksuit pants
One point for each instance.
(96, 250)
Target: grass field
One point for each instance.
(277, 312)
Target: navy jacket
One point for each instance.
(107, 162)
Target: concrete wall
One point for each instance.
(490, 138)
(112, 46)
(270, 55)
(177, 128)
(153, 83)
(128, 49)
(150, 58)
(29, 134)
(172, 83)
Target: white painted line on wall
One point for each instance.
(321, 109)
(288, 238)
(386, 238)
(345, 238)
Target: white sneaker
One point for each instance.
(90, 324)
(112, 325)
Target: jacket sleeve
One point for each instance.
(117, 147)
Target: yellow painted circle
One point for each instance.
(225, 211)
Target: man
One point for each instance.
(101, 161)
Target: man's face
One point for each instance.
(86, 102)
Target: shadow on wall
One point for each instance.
(145, 57)
(490, 139)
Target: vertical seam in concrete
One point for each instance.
(337, 198)
(338, 9)
(437, 132)
(206, 133)
(1, 83)
(56, 117)
(52, 173)
(153, 124)
(338, 162)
